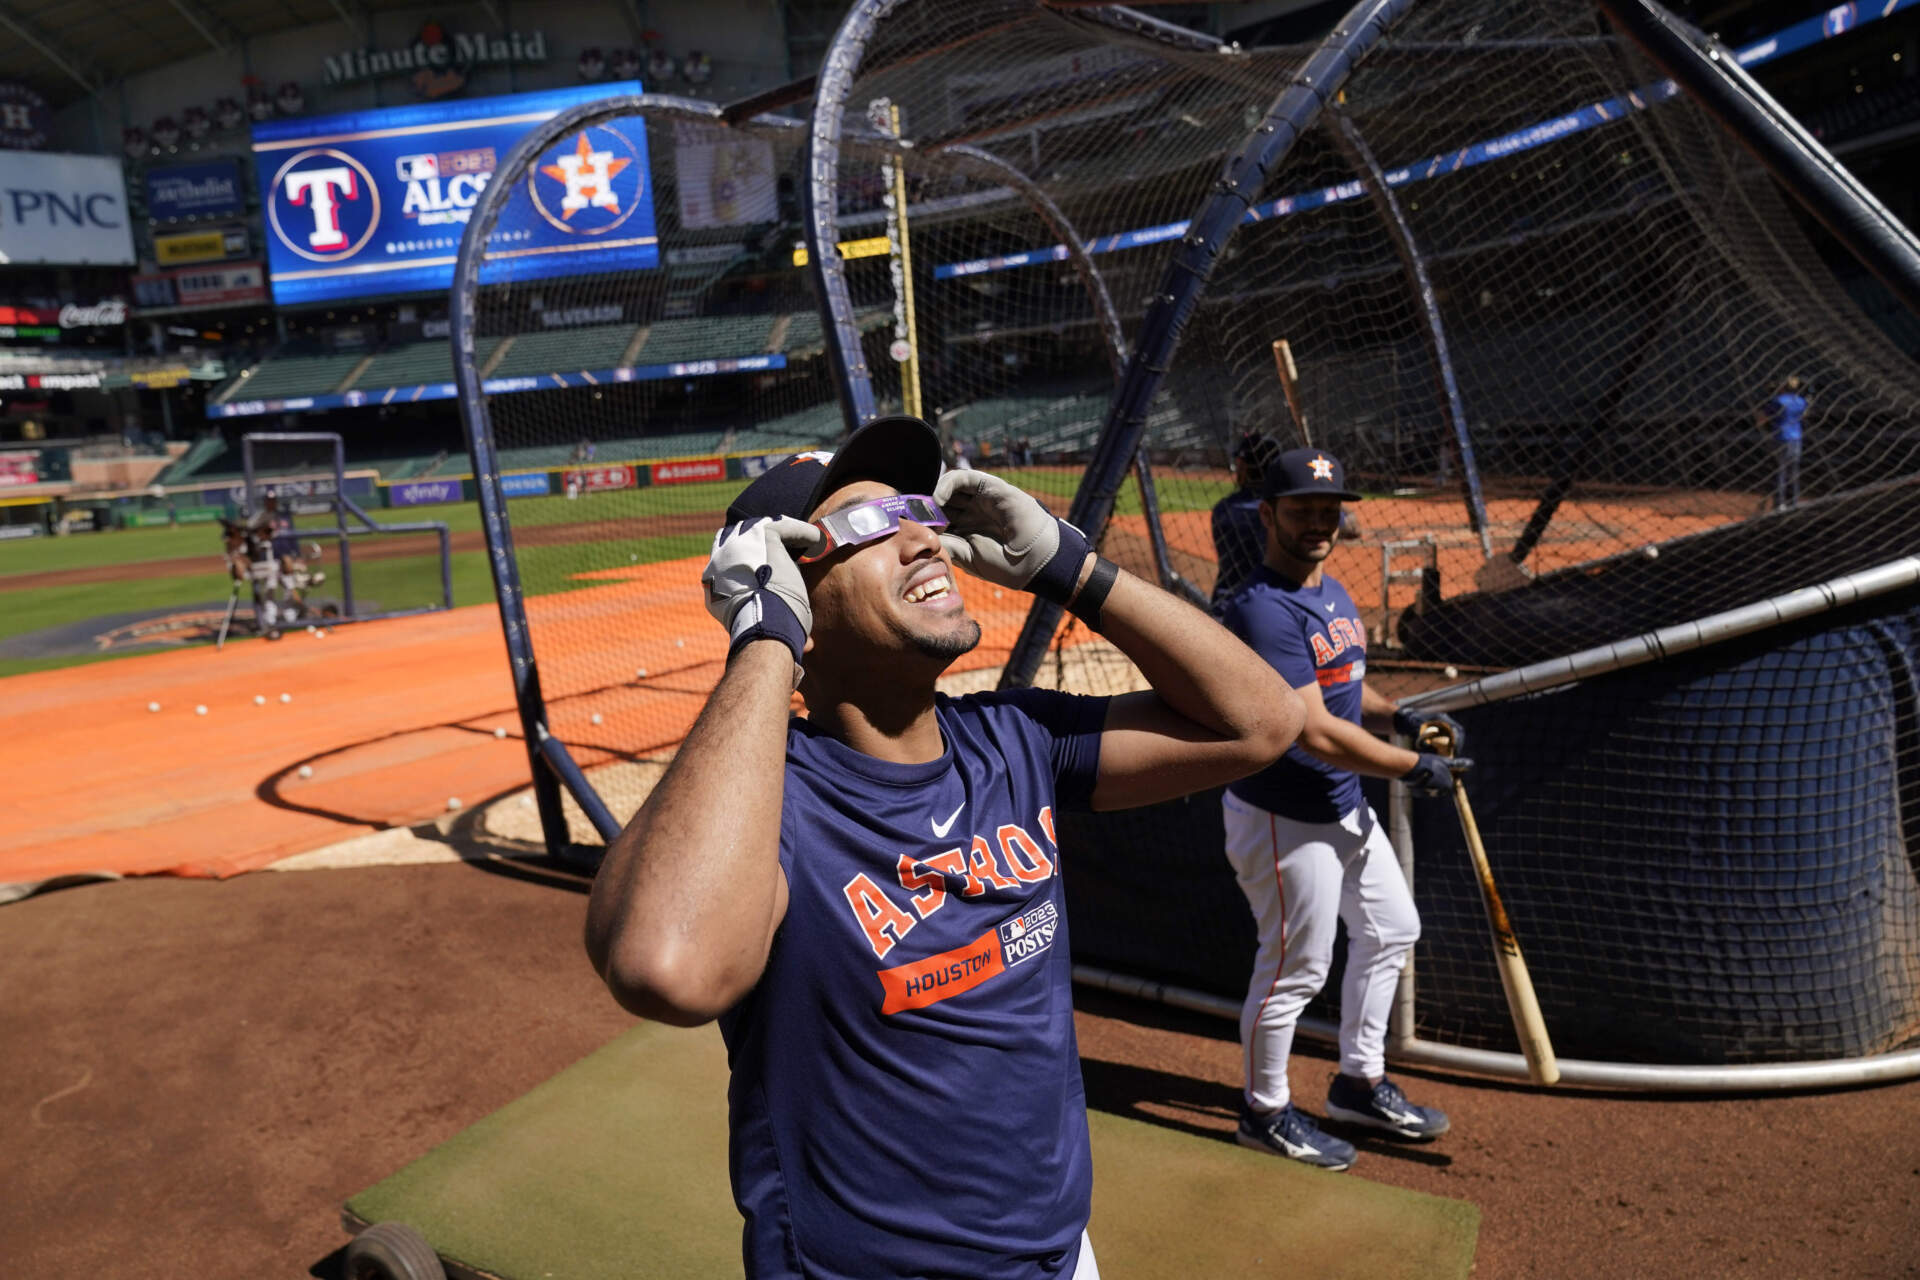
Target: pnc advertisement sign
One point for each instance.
(374, 202)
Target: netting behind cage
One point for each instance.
(1619, 295)
(1115, 138)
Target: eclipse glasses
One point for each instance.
(871, 521)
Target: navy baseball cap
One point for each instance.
(896, 450)
(1300, 473)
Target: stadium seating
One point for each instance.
(291, 374)
(708, 338)
(551, 350)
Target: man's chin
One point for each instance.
(957, 639)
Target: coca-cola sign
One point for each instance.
(113, 311)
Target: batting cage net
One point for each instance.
(1554, 322)
(1582, 357)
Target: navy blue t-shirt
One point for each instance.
(1309, 634)
(1239, 542)
(906, 1097)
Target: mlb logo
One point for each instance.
(1017, 927)
(417, 168)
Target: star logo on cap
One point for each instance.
(1322, 469)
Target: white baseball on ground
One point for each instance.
(200, 710)
(286, 697)
(306, 771)
(499, 733)
(259, 699)
(596, 717)
(153, 706)
(453, 802)
(1453, 673)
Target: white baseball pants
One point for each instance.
(1300, 879)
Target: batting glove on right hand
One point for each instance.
(1435, 775)
(1004, 535)
(753, 583)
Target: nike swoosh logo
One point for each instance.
(940, 829)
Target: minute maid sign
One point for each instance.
(371, 203)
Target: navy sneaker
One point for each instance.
(1292, 1133)
(1383, 1106)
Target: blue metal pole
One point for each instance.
(1295, 111)
(1347, 136)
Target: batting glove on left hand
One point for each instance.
(1410, 720)
(1005, 536)
(753, 584)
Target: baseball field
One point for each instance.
(205, 1066)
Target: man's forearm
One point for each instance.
(1198, 667)
(1345, 745)
(686, 901)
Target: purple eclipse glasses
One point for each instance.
(869, 521)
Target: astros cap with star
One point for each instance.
(1307, 473)
(897, 450)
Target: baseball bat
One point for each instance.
(1290, 387)
(233, 598)
(1522, 1004)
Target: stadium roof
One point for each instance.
(67, 49)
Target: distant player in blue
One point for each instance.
(869, 899)
(1784, 416)
(1239, 539)
(1307, 848)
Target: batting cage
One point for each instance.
(1550, 278)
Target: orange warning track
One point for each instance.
(393, 717)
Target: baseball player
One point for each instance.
(1783, 415)
(1306, 847)
(1239, 539)
(868, 899)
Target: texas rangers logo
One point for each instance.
(590, 184)
(324, 205)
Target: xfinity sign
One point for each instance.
(63, 210)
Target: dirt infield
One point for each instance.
(199, 1074)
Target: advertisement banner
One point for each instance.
(19, 468)
(374, 202)
(536, 484)
(210, 189)
(237, 285)
(423, 493)
(63, 210)
(726, 178)
(25, 118)
(216, 244)
(694, 472)
(600, 479)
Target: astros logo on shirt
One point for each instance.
(588, 183)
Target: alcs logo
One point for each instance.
(589, 184)
(325, 206)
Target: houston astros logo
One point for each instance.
(589, 186)
(324, 205)
(1322, 469)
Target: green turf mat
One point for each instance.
(617, 1167)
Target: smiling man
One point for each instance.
(868, 899)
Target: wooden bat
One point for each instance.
(1522, 1004)
(1290, 387)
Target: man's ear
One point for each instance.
(1266, 514)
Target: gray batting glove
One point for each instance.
(753, 584)
(1004, 535)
